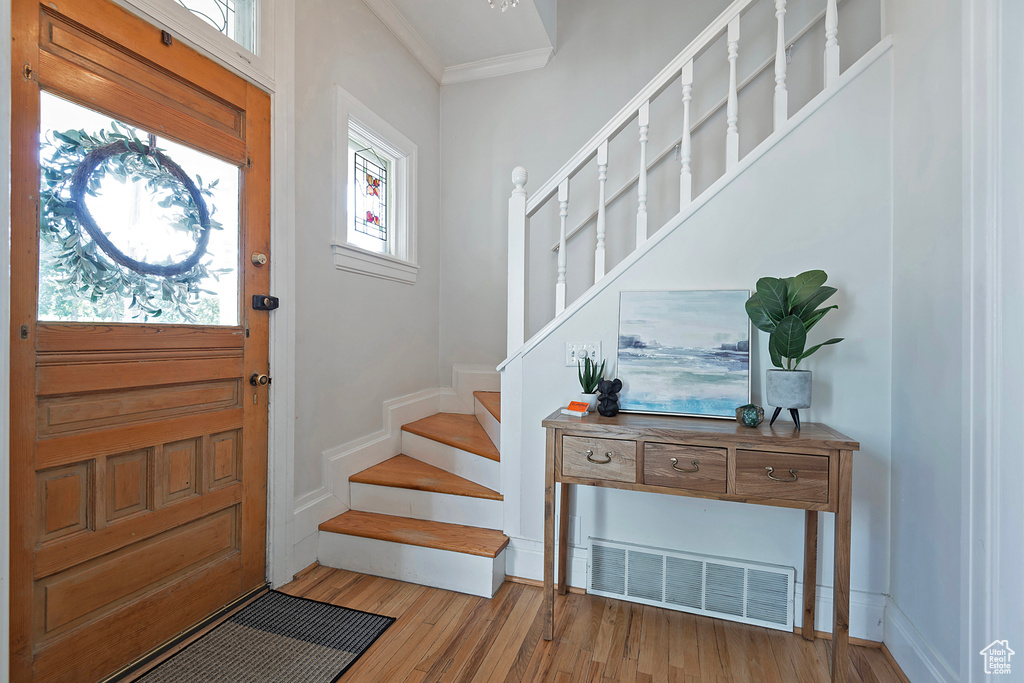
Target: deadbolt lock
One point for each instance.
(259, 259)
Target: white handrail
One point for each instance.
(629, 112)
(698, 124)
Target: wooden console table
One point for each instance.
(810, 470)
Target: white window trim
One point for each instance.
(184, 25)
(402, 267)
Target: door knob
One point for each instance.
(258, 380)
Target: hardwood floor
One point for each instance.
(445, 636)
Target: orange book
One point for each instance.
(578, 406)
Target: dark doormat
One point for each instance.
(276, 639)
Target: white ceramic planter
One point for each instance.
(789, 388)
(590, 400)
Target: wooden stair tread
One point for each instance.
(457, 430)
(491, 400)
(404, 472)
(454, 537)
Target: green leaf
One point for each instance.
(789, 337)
(758, 316)
(806, 308)
(776, 358)
(811, 350)
(804, 285)
(71, 137)
(816, 316)
(772, 293)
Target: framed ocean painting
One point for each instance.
(684, 353)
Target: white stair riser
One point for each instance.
(488, 422)
(424, 566)
(436, 507)
(477, 468)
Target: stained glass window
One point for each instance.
(234, 18)
(370, 174)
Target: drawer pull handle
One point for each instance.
(677, 468)
(607, 458)
(792, 474)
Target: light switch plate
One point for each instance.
(575, 352)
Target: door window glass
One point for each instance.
(133, 227)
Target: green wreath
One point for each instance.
(89, 266)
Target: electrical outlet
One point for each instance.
(575, 352)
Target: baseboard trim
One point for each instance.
(826, 635)
(575, 590)
(458, 398)
(911, 652)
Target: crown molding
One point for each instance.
(498, 66)
(408, 36)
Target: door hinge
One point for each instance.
(166, 38)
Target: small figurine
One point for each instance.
(608, 396)
(750, 415)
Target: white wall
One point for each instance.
(821, 199)
(927, 349)
(607, 51)
(360, 340)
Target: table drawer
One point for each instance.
(611, 459)
(792, 477)
(694, 468)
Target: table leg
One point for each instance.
(549, 538)
(841, 582)
(810, 572)
(563, 537)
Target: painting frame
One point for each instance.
(703, 369)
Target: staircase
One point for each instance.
(431, 515)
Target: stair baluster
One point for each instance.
(781, 95)
(685, 146)
(732, 135)
(724, 28)
(831, 42)
(644, 119)
(563, 211)
(602, 177)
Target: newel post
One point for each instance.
(517, 261)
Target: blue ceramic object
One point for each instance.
(750, 415)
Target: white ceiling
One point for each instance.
(458, 40)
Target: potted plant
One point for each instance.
(590, 375)
(787, 309)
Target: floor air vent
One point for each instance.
(748, 592)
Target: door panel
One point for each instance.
(138, 448)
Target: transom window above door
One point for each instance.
(236, 19)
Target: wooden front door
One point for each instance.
(138, 443)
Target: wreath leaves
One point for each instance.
(85, 263)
